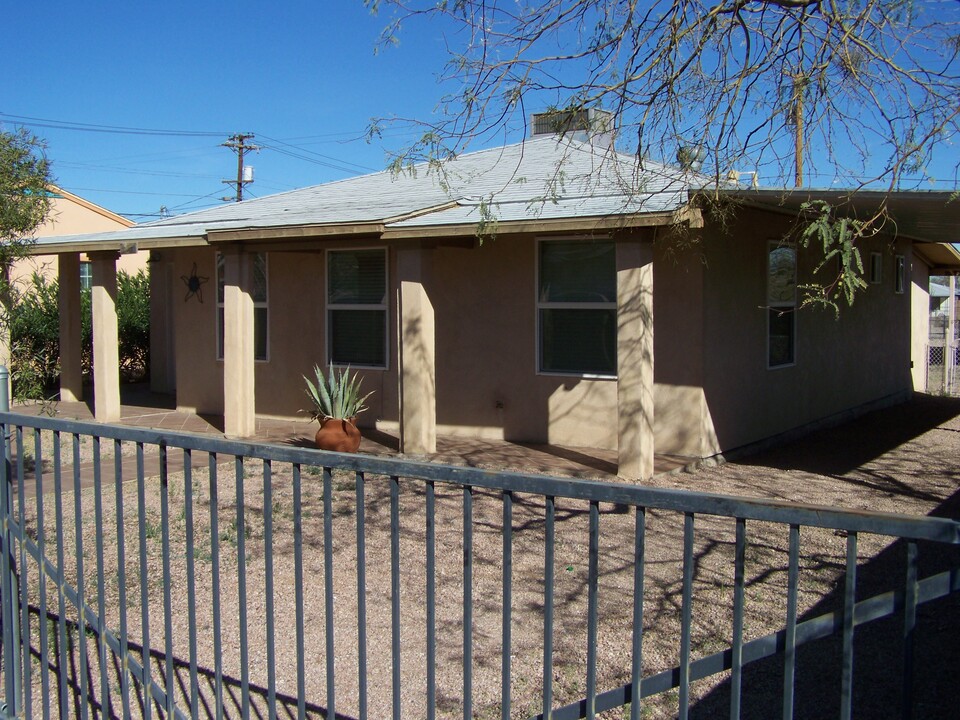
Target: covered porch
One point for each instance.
(139, 407)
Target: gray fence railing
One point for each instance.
(163, 574)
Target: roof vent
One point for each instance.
(586, 124)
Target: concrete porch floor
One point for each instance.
(142, 408)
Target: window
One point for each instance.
(781, 304)
(898, 275)
(86, 275)
(577, 307)
(876, 268)
(260, 317)
(357, 307)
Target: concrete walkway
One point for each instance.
(141, 408)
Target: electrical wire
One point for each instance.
(115, 129)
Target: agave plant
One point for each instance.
(335, 396)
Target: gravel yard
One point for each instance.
(903, 459)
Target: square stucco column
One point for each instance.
(106, 353)
(71, 370)
(635, 359)
(417, 356)
(239, 408)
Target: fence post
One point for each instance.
(9, 591)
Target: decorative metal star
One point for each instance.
(194, 284)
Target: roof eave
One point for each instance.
(557, 225)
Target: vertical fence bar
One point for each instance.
(549, 559)
(81, 603)
(467, 602)
(103, 650)
(593, 580)
(686, 615)
(909, 628)
(636, 670)
(121, 579)
(395, 592)
(361, 596)
(191, 581)
(143, 520)
(268, 588)
(298, 599)
(849, 604)
(63, 678)
(241, 527)
(8, 583)
(790, 648)
(167, 579)
(10, 654)
(328, 587)
(431, 551)
(42, 576)
(27, 667)
(215, 585)
(736, 659)
(507, 604)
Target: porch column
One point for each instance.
(417, 356)
(106, 353)
(635, 359)
(71, 342)
(239, 419)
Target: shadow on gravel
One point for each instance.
(878, 651)
(839, 450)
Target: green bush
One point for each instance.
(35, 334)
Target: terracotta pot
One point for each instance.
(338, 435)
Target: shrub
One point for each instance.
(35, 334)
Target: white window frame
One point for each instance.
(88, 276)
(263, 304)
(783, 305)
(546, 305)
(384, 307)
(899, 274)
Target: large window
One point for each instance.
(781, 304)
(260, 315)
(577, 307)
(357, 307)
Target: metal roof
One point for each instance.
(542, 178)
(547, 179)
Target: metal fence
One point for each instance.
(943, 367)
(161, 574)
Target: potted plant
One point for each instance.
(336, 402)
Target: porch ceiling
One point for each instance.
(924, 216)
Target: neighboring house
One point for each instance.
(581, 319)
(72, 215)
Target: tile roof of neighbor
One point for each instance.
(546, 177)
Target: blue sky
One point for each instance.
(304, 73)
(301, 75)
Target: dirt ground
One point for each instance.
(903, 459)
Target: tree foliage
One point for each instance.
(35, 333)
(864, 90)
(24, 198)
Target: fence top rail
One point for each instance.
(686, 501)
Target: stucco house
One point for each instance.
(72, 215)
(575, 318)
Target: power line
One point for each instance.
(116, 129)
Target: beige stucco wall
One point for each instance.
(70, 215)
(841, 364)
(713, 390)
(920, 322)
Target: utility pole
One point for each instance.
(796, 115)
(238, 143)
